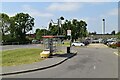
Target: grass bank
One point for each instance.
(20, 56)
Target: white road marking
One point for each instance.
(94, 67)
(116, 53)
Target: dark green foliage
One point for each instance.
(113, 32)
(118, 35)
(40, 33)
(78, 29)
(4, 23)
(15, 28)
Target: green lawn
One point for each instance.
(20, 56)
(66, 43)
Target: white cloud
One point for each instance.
(113, 12)
(64, 6)
(59, 0)
(35, 12)
(11, 14)
(90, 0)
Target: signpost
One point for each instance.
(68, 32)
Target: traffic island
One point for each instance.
(45, 64)
(20, 56)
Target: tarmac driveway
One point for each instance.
(10, 47)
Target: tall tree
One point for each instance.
(4, 23)
(78, 29)
(53, 29)
(37, 30)
(118, 35)
(41, 33)
(23, 23)
(113, 32)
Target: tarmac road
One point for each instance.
(88, 63)
(10, 47)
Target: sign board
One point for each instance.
(68, 32)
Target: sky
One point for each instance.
(91, 12)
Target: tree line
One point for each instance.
(14, 29)
(77, 27)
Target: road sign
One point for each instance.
(68, 32)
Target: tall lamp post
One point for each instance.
(60, 24)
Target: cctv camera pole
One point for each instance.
(103, 28)
(58, 26)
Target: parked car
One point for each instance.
(86, 42)
(111, 43)
(115, 44)
(35, 42)
(77, 44)
(95, 40)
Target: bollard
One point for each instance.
(68, 49)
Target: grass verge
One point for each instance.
(20, 56)
(59, 52)
(67, 43)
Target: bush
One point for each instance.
(8, 40)
(113, 46)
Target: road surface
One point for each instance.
(90, 62)
(11, 47)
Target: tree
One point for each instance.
(22, 24)
(62, 18)
(93, 33)
(118, 35)
(37, 30)
(40, 33)
(12, 28)
(53, 29)
(4, 22)
(78, 28)
(113, 32)
(4, 25)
